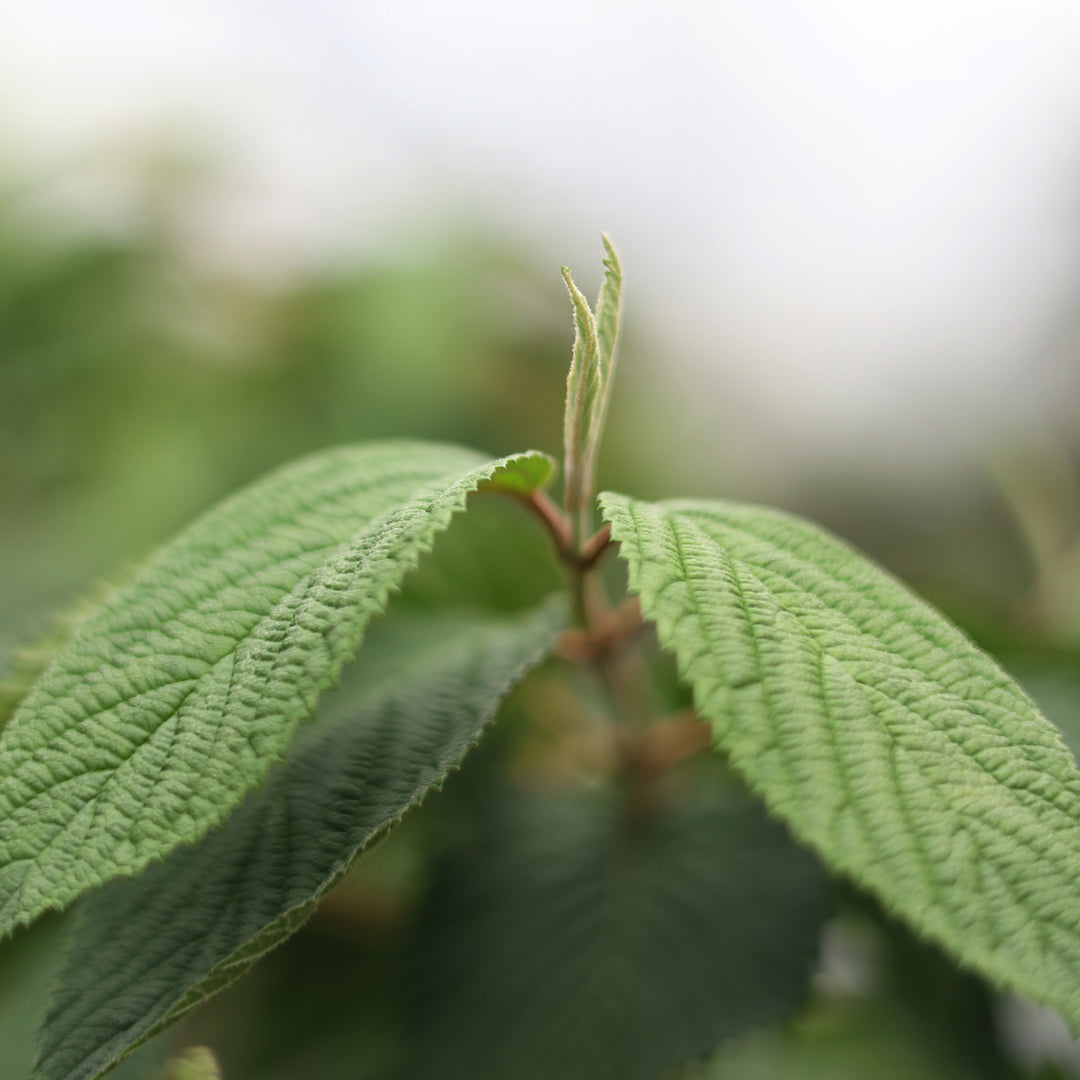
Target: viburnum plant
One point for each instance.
(162, 766)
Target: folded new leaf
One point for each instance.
(887, 740)
(175, 698)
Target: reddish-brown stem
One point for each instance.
(595, 547)
(609, 631)
(559, 528)
(599, 638)
(554, 520)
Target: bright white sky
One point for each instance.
(859, 221)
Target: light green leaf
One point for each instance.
(588, 387)
(197, 1063)
(588, 937)
(608, 310)
(885, 738)
(175, 698)
(146, 951)
(584, 386)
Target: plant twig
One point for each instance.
(553, 520)
(595, 547)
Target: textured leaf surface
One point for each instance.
(608, 309)
(588, 385)
(578, 940)
(887, 740)
(28, 663)
(175, 698)
(585, 378)
(145, 951)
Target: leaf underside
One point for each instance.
(176, 697)
(146, 951)
(875, 728)
(576, 939)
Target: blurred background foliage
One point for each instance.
(560, 909)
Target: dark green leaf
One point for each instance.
(146, 951)
(577, 939)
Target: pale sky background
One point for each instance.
(849, 227)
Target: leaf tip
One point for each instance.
(612, 260)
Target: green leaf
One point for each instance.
(852, 1040)
(197, 1063)
(608, 309)
(493, 558)
(28, 663)
(147, 951)
(579, 938)
(175, 698)
(588, 387)
(584, 386)
(876, 729)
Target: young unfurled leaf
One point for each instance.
(576, 938)
(889, 742)
(146, 951)
(583, 388)
(174, 699)
(608, 311)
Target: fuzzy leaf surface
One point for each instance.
(28, 663)
(608, 309)
(178, 694)
(581, 938)
(875, 728)
(146, 951)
